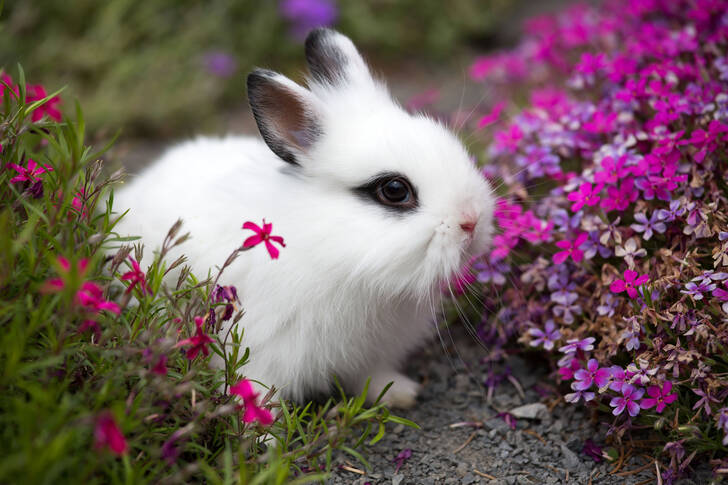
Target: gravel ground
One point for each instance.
(538, 451)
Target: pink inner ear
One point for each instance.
(289, 117)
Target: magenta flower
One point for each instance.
(593, 451)
(628, 400)
(91, 297)
(493, 116)
(253, 412)
(160, 368)
(567, 367)
(107, 434)
(659, 396)
(618, 379)
(30, 172)
(198, 342)
(136, 276)
(586, 195)
(263, 235)
(402, 457)
(612, 171)
(629, 284)
(573, 345)
(36, 92)
(53, 285)
(570, 248)
(707, 141)
(545, 337)
(508, 139)
(593, 374)
(619, 198)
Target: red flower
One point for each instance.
(244, 390)
(160, 368)
(659, 396)
(198, 342)
(57, 284)
(136, 276)
(263, 235)
(30, 172)
(586, 195)
(570, 248)
(630, 283)
(108, 434)
(35, 92)
(91, 297)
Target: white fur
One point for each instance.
(355, 288)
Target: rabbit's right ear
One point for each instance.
(285, 113)
(333, 60)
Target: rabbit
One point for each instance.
(377, 207)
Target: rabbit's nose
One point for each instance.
(468, 226)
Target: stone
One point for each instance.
(535, 410)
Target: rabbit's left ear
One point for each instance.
(285, 113)
(333, 59)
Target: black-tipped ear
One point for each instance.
(333, 59)
(284, 113)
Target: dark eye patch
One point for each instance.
(391, 190)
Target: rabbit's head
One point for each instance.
(407, 205)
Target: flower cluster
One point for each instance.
(614, 215)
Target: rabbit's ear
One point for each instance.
(285, 113)
(333, 59)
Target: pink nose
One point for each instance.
(468, 226)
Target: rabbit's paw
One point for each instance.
(402, 394)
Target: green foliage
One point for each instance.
(140, 64)
(57, 379)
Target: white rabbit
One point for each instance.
(377, 207)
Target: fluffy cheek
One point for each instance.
(445, 255)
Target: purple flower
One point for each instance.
(402, 457)
(647, 226)
(574, 344)
(723, 423)
(220, 63)
(545, 337)
(575, 397)
(704, 401)
(565, 306)
(306, 15)
(593, 374)
(628, 400)
(491, 272)
(619, 378)
(697, 290)
(675, 211)
(593, 451)
(659, 397)
(631, 338)
(609, 303)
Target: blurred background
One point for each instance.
(168, 69)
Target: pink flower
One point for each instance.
(54, 285)
(612, 171)
(30, 172)
(570, 248)
(629, 284)
(586, 195)
(263, 235)
(108, 434)
(160, 368)
(136, 276)
(198, 342)
(36, 92)
(91, 297)
(493, 116)
(4, 78)
(509, 138)
(253, 412)
(591, 375)
(628, 401)
(660, 397)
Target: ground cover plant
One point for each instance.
(607, 139)
(104, 372)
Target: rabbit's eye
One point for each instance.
(392, 190)
(395, 191)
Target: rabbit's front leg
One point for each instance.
(402, 394)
